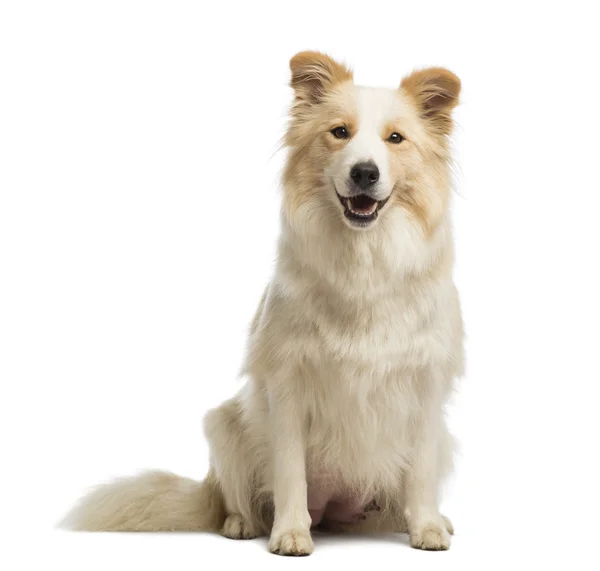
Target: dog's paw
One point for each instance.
(292, 542)
(236, 527)
(431, 537)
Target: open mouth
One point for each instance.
(361, 209)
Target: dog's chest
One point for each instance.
(364, 403)
(359, 438)
(395, 331)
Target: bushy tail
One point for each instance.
(152, 501)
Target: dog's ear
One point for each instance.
(435, 91)
(314, 73)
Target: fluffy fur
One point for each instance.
(354, 347)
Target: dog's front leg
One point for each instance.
(426, 526)
(291, 529)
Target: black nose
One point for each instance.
(364, 175)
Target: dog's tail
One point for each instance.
(152, 501)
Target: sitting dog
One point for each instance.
(355, 345)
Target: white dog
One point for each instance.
(356, 342)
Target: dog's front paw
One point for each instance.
(430, 537)
(291, 542)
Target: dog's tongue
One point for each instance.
(363, 204)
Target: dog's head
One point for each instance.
(358, 152)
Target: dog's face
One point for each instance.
(357, 152)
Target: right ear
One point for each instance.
(314, 73)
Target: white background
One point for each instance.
(138, 219)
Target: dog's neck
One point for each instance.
(354, 263)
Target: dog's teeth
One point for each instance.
(363, 213)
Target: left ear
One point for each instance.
(435, 91)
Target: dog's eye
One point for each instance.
(340, 133)
(395, 138)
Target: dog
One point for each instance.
(356, 344)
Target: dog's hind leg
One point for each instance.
(236, 527)
(234, 460)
